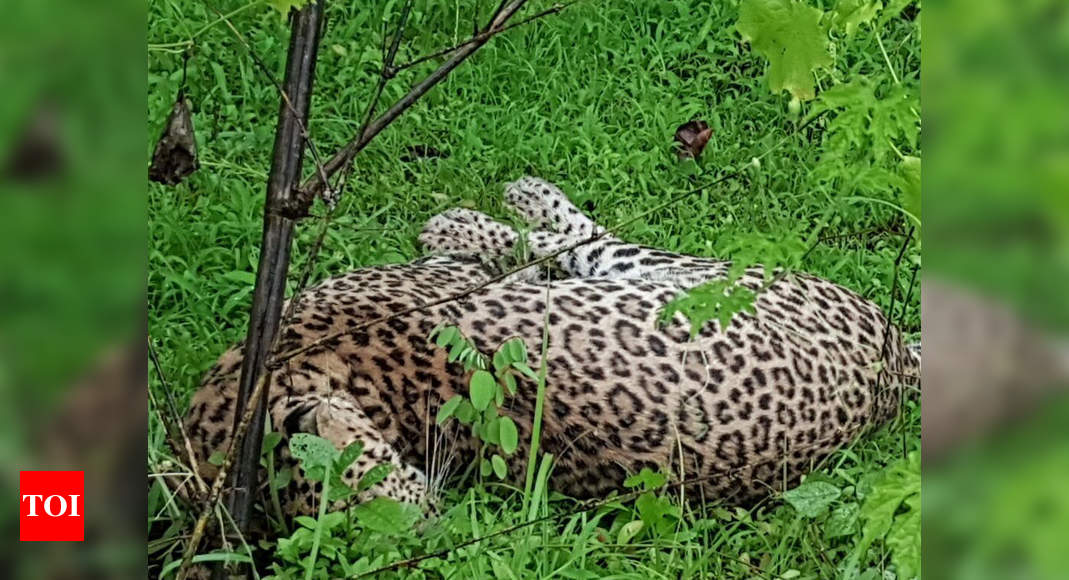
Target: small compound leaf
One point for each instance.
(646, 479)
(510, 438)
(465, 412)
(449, 408)
(812, 497)
(850, 14)
(444, 336)
(485, 468)
(500, 469)
(482, 387)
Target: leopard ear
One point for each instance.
(300, 417)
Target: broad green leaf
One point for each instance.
(271, 440)
(629, 531)
(787, 33)
(500, 469)
(911, 185)
(314, 453)
(485, 468)
(510, 438)
(348, 455)
(374, 476)
(812, 498)
(217, 458)
(842, 521)
(482, 387)
(850, 14)
(449, 408)
(904, 542)
(386, 515)
(282, 478)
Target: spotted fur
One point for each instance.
(747, 408)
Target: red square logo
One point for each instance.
(51, 506)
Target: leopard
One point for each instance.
(739, 411)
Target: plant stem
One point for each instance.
(324, 498)
(540, 402)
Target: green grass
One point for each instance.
(588, 99)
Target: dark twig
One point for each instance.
(555, 9)
(315, 184)
(176, 419)
(888, 325)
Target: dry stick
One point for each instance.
(282, 357)
(176, 419)
(314, 184)
(555, 9)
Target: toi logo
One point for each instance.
(51, 506)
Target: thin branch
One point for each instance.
(176, 419)
(315, 184)
(555, 9)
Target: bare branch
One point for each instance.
(315, 184)
(176, 419)
(555, 9)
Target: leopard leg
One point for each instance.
(335, 416)
(545, 207)
(562, 226)
(467, 232)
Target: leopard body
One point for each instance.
(745, 409)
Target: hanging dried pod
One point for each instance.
(175, 157)
(691, 138)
